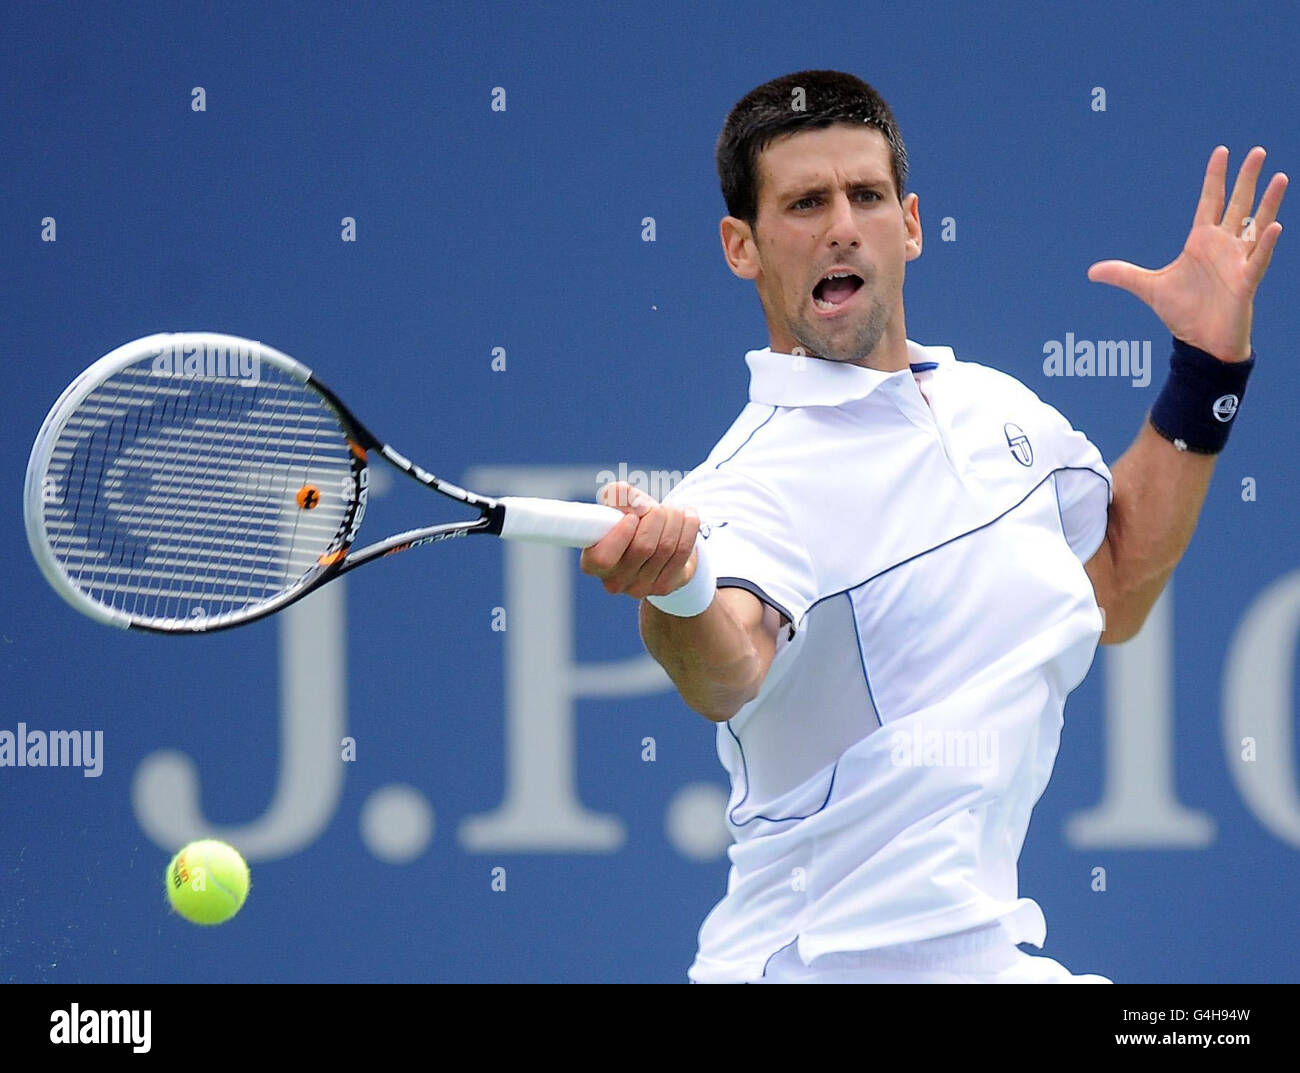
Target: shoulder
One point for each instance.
(749, 475)
(752, 453)
(988, 388)
(980, 384)
(992, 385)
(750, 440)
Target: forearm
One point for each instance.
(710, 657)
(1158, 495)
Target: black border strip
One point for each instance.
(749, 586)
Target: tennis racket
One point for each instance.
(193, 481)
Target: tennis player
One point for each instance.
(910, 559)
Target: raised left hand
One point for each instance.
(1206, 296)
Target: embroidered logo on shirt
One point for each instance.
(1021, 450)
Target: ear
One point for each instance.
(912, 221)
(739, 247)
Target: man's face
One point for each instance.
(827, 206)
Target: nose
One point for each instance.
(843, 229)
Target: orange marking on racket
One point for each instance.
(309, 497)
(357, 449)
(331, 557)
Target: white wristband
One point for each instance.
(696, 595)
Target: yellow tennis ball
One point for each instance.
(207, 882)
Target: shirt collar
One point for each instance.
(777, 379)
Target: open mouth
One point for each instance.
(835, 288)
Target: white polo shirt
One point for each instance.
(924, 531)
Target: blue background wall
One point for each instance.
(522, 229)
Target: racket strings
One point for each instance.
(177, 499)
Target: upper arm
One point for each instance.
(1084, 497)
(766, 580)
(1101, 572)
(761, 623)
(1084, 487)
(719, 659)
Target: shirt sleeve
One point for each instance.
(1083, 488)
(752, 543)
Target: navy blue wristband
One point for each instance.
(1200, 400)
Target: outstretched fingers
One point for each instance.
(1263, 254)
(1210, 208)
(1269, 204)
(1243, 191)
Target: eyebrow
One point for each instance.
(817, 187)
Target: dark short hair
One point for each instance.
(767, 113)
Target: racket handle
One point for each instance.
(556, 521)
(579, 525)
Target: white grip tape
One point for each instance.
(696, 595)
(556, 521)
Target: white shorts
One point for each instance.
(983, 955)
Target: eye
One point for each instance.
(805, 202)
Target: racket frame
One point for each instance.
(338, 559)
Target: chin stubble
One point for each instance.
(865, 340)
